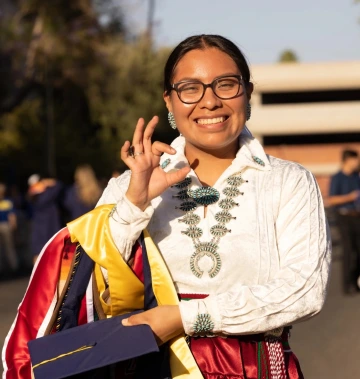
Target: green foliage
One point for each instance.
(68, 71)
(288, 56)
(134, 88)
(19, 125)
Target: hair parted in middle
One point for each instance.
(201, 42)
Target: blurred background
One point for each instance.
(76, 75)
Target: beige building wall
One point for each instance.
(307, 118)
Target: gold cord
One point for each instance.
(82, 348)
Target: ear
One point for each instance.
(167, 100)
(249, 90)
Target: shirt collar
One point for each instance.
(250, 148)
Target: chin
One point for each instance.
(216, 144)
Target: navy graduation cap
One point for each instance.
(94, 350)
(89, 347)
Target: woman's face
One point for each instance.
(212, 123)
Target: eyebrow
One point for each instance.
(217, 77)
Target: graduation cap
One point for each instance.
(89, 347)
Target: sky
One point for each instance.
(316, 30)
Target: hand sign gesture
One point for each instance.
(148, 180)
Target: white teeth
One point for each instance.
(207, 121)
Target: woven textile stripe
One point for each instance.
(276, 358)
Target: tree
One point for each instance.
(288, 56)
(69, 74)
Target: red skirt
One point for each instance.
(245, 357)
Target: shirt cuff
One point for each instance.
(126, 224)
(130, 213)
(191, 308)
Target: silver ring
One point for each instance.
(132, 153)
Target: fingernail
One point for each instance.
(125, 322)
(172, 150)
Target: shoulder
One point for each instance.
(338, 175)
(289, 171)
(293, 184)
(290, 181)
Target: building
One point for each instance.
(308, 113)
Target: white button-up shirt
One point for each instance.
(274, 263)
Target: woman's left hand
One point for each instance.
(164, 320)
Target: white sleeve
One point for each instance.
(299, 288)
(127, 221)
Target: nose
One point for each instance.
(209, 100)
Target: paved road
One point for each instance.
(328, 345)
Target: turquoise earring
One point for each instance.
(171, 119)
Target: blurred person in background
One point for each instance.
(83, 195)
(345, 199)
(44, 196)
(22, 232)
(224, 246)
(7, 227)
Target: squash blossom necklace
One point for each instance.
(205, 196)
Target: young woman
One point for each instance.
(238, 236)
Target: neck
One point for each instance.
(347, 170)
(210, 164)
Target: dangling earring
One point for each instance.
(248, 111)
(171, 120)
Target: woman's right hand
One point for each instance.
(148, 180)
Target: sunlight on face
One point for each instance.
(212, 123)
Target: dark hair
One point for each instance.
(346, 154)
(201, 42)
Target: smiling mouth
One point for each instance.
(209, 121)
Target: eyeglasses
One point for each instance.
(225, 88)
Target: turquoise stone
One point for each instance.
(205, 195)
(165, 163)
(203, 324)
(235, 180)
(224, 217)
(227, 204)
(190, 219)
(182, 195)
(187, 206)
(202, 249)
(184, 183)
(258, 160)
(193, 232)
(231, 191)
(219, 230)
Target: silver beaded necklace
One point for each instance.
(207, 196)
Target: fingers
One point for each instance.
(138, 320)
(174, 177)
(158, 148)
(138, 133)
(134, 320)
(124, 152)
(138, 136)
(148, 133)
(141, 141)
